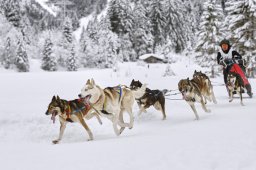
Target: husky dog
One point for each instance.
(110, 102)
(146, 97)
(70, 111)
(235, 85)
(205, 85)
(192, 92)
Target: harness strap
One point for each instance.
(68, 110)
(120, 92)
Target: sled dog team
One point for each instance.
(112, 102)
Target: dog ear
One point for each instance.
(195, 71)
(88, 82)
(58, 98)
(92, 82)
(188, 81)
(140, 84)
(132, 80)
(53, 98)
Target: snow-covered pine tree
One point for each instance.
(8, 35)
(87, 51)
(142, 37)
(101, 4)
(168, 71)
(241, 20)
(12, 11)
(126, 49)
(92, 28)
(21, 60)
(120, 16)
(178, 25)
(209, 34)
(192, 14)
(49, 62)
(82, 41)
(1, 7)
(108, 45)
(7, 56)
(196, 7)
(113, 14)
(72, 60)
(66, 42)
(67, 33)
(158, 21)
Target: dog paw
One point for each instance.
(118, 133)
(90, 139)
(231, 100)
(121, 130)
(55, 141)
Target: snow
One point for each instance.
(85, 20)
(46, 7)
(224, 139)
(83, 23)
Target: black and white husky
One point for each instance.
(146, 97)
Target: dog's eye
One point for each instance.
(51, 108)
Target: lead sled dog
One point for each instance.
(70, 111)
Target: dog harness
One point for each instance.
(118, 89)
(83, 109)
(120, 92)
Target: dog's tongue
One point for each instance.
(86, 99)
(53, 118)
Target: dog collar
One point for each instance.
(98, 100)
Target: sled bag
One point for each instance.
(236, 69)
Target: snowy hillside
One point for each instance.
(46, 7)
(224, 139)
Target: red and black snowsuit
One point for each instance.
(233, 62)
